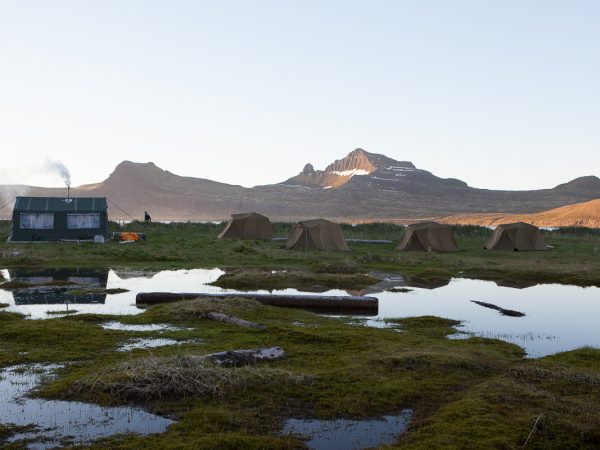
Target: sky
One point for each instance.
(503, 95)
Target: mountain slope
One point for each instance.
(362, 186)
(585, 214)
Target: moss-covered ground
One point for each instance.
(474, 393)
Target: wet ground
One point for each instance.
(52, 423)
(141, 343)
(543, 319)
(556, 317)
(159, 327)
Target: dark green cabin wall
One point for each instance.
(60, 230)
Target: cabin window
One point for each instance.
(42, 221)
(83, 221)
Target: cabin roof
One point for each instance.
(61, 204)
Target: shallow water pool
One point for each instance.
(55, 422)
(349, 434)
(557, 317)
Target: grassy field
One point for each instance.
(575, 258)
(474, 393)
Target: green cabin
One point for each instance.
(58, 219)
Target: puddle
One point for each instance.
(459, 336)
(557, 317)
(141, 343)
(307, 325)
(349, 434)
(42, 302)
(51, 286)
(57, 421)
(140, 328)
(52, 300)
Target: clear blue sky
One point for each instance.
(500, 94)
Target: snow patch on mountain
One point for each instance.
(350, 173)
(400, 169)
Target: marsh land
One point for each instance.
(462, 393)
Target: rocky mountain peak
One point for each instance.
(128, 173)
(308, 169)
(128, 168)
(357, 162)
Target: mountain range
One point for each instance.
(362, 186)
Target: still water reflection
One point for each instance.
(557, 317)
(53, 423)
(349, 434)
(79, 294)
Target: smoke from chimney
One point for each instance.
(61, 170)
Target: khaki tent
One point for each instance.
(248, 226)
(428, 237)
(517, 236)
(319, 234)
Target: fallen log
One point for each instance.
(237, 358)
(220, 317)
(353, 304)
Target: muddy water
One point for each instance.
(51, 422)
